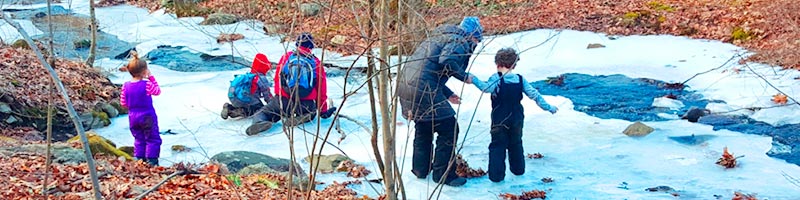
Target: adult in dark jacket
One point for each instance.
(424, 96)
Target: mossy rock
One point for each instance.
(9, 140)
(120, 109)
(126, 149)
(100, 145)
(82, 43)
(20, 44)
(327, 163)
(638, 129)
(741, 34)
(656, 5)
(102, 116)
(220, 19)
(180, 148)
(109, 109)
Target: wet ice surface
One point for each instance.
(587, 156)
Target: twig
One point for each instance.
(194, 136)
(767, 81)
(181, 172)
(70, 108)
(712, 69)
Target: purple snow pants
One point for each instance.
(143, 121)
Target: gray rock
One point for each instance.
(595, 46)
(108, 109)
(220, 19)
(695, 113)
(5, 108)
(310, 9)
(272, 29)
(238, 160)
(327, 163)
(638, 129)
(11, 119)
(62, 153)
(127, 149)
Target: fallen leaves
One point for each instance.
(780, 99)
(727, 160)
(547, 180)
(225, 37)
(533, 194)
(25, 79)
(742, 196)
(352, 169)
(535, 156)
(463, 169)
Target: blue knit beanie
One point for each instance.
(305, 40)
(472, 26)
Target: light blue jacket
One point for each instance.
(490, 86)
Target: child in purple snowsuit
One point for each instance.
(137, 95)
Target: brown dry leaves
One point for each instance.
(780, 99)
(535, 156)
(224, 37)
(533, 194)
(463, 169)
(727, 160)
(119, 179)
(742, 196)
(352, 169)
(27, 81)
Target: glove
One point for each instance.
(327, 114)
(553, 110)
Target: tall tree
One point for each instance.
(93, 26)
(383, 97)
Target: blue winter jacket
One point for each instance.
(421, 84)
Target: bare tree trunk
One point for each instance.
(93, 47)
(47, 160)
(70, 108)
(371, 88)
(52, 60)
(383, 92)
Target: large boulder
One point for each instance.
(327, 163)
(101, 145)
(638, 129)
(238, 160)
(220, 19)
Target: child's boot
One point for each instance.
(225, 110)
(152, 161)
(258, 127)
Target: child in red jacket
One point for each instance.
(256, 87)
(301, 89)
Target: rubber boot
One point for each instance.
(258, 127)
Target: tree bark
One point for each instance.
(383, 96)
(93, 25)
